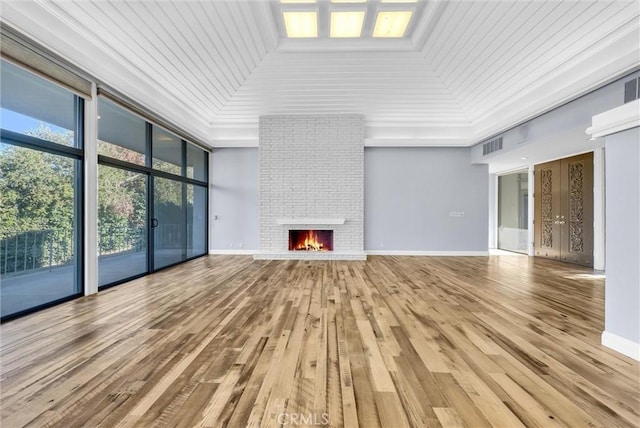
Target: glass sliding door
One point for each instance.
(196, 220)
(40, 193)
(169, 239)
(122, 195)
(39, 239)
(152, 196)
(122, 224)
(513, 212)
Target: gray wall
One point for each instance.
(622, 286)
(234, 199)
(410, 193)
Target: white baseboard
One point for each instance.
(361, 256)
(620, 344)
(233, 252)
(427, 253)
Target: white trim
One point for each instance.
(311, 221)
(233, 252)
(234, 143)
(531, 233)
(365, 253)
(91, 193)
(619, 119)
(427, 253)
(599, 258)
(620, 344)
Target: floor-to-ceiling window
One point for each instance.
(122, 195)
(152, 185)
(152, 198)
(513, 212)
(41, 153)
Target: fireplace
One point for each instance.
(310, 240)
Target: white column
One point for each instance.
(91, 194)
(620, 128)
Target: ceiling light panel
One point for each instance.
(346, 24)
(398, 1)
(392, 24)
(301, 24)
(348, 1)
(297, 1)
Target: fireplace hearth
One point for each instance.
(310, 240)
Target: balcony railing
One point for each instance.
(35, 249)
(27, 251)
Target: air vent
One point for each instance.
(632, 90)
(492, 146)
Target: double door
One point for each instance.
(563, 217)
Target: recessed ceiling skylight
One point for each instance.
(301, 24)
(346, 24)
(392, 24)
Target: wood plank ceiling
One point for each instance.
(465, 68)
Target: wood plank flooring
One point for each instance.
(497, 341)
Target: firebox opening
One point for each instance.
(311, 240)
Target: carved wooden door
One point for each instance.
(563, 217)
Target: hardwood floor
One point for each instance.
(393, 342)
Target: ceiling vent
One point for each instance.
(632, 90)
(492, 146)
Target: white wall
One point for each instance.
(622, 286)
(410, 194)
(234, 200)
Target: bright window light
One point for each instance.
(346, 24)
(301, 24)
(391, 24)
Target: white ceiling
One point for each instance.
(465, 70)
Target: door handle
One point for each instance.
(154, 222)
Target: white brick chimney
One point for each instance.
(312, 169)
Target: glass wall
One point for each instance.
(513, 212)
(122, 224)
(168, 218)
(121, 135)
(152, 196)
(167, 152)
(196, 163)
(41, 192)
(196, 220)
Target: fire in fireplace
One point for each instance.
(311, 240)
